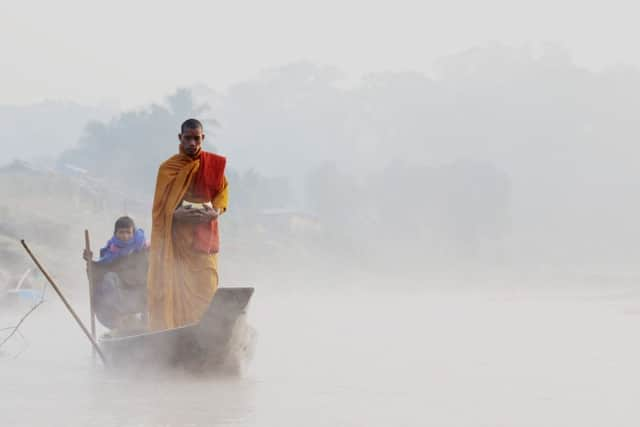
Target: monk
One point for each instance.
(191, 193)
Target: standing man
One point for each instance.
(191, 193)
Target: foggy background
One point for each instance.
(436, 203)
(510, 161)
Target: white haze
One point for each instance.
(458, 183)
(131, 52)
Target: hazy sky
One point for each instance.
(131, 52)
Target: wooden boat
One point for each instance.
(220, 342)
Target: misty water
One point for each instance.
(504, 356)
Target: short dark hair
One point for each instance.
(124, 222)
(191, 124)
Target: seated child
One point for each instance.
(120, 278)
(126, 240)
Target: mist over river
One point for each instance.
(498, 357)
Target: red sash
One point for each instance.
(207, 184)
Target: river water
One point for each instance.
(414, 358)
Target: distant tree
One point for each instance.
(128, 150)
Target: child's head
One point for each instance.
(124, 229)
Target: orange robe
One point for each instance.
(183, 277)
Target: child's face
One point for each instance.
(124, 234)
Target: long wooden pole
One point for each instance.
(87, 248)
(66, 303)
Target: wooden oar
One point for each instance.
(66, 303)
(87, 248)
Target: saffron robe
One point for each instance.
(183, 276)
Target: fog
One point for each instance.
(525, 358)
(132, 53)
(438, 218)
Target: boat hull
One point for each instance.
(221, 341)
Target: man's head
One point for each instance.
(191, 137)
(124, 229)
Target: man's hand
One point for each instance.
(195, 216)
(210, 213)
(87, 255)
